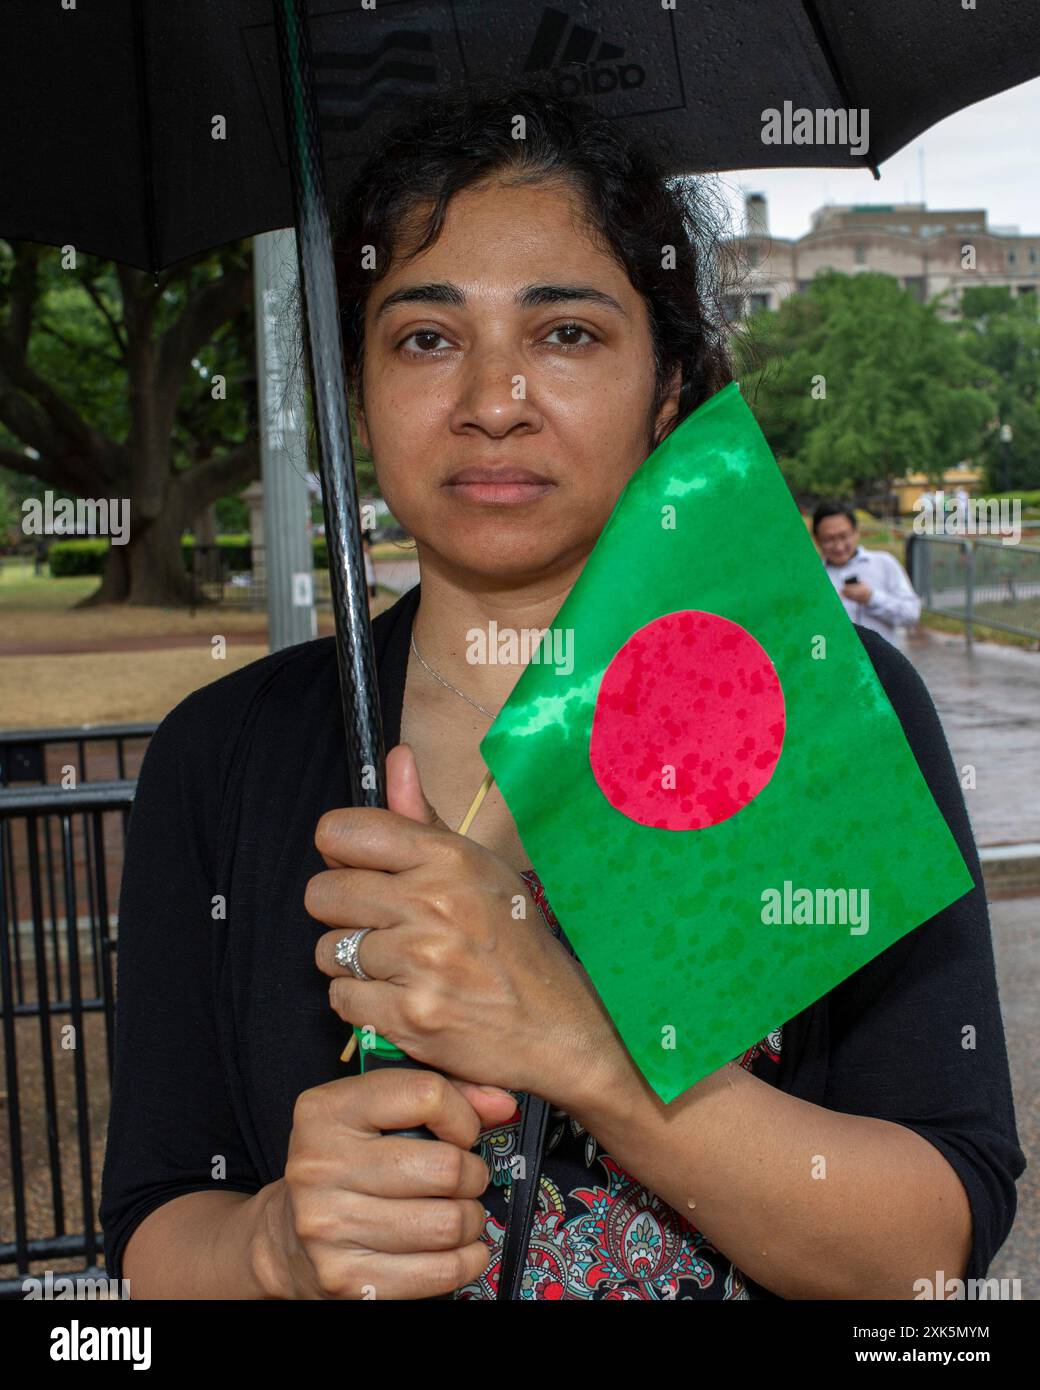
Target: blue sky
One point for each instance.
(987, 155)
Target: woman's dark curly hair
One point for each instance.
(662, 231)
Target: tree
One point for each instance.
(125, 386)
(1003, 334)
(855, 382)
(9, 518)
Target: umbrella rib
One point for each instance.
(814, 18)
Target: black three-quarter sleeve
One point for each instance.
(916, 1035)
(171, 1121)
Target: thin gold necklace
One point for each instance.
(489, 776)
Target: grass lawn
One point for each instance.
(939, 622)
(21, 590)
(1024, 613)
(108, 687)
(40, 690)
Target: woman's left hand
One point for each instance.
(459, 981)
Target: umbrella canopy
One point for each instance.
(149, 131)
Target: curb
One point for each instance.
(1011, 870)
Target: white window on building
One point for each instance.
(860, 253)
(1012, 258)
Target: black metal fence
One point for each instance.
(230, 575)
(978, 581)
(61, 852)
(99, 753)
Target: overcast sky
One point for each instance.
(986, 156)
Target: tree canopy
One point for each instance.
(856, 382)
(117, 385)
(1003, 333)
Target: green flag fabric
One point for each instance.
(704, 768)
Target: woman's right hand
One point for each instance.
(362, 1214)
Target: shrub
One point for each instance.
(1030, 499)
(67, 558)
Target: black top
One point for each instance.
(222, 1016)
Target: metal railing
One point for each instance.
(978, 581)
(61, 854)
(41, 755)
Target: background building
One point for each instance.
(929, 252)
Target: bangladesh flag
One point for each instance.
(705, 769)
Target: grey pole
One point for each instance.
(287, 565)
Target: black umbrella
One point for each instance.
(111, 109)
(147, 131)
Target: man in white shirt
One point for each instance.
(872, 584)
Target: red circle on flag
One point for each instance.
(689, 722)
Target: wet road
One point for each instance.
(989, 703)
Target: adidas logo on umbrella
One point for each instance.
(561, 42)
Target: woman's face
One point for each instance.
(515, 347)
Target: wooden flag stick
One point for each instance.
(467, 821)
(482, 791)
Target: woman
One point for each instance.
(518, 343)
